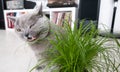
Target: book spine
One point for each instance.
(60, 17)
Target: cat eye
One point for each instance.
(31, 25)
(19, 30)
(40, 15)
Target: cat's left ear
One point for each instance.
(40, 12)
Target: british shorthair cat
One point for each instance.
(35, 28)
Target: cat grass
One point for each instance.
(81, 50)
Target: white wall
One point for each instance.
(105, 16)
(116, 30)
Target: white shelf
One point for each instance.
(6, 19)
(65, 9)
(17, 11)
(49, 10)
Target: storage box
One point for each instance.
(16, 4)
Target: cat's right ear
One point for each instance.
(12, 18)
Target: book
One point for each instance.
(54, 17)
(59, 18)
(10, 23)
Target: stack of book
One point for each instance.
(59, 18)
(10, 23)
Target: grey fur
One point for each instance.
(35, 28)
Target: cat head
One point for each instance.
(32, 26)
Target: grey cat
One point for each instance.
(36, 29)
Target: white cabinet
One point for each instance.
(9, 25)
(59, 15)
(68, 11)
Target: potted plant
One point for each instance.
(81, 50)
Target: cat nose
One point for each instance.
(28, 37)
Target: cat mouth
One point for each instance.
(31, 39)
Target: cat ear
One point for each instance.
(12, 18)
(39, 10)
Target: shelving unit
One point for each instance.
(50, 11)
(71, 10)
(9, 26)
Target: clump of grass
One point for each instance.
(81, 50)
(75, 50)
